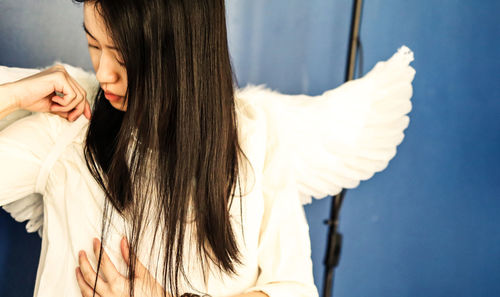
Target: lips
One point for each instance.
(112, 97)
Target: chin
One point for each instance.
(118, 105)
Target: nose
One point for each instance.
(106, 72)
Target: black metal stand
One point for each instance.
(334, 245)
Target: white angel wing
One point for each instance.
(30, 208)
(337, 139)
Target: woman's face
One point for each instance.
(107, 61)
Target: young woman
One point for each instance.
(193, 186)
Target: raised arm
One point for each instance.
(50, 90)
(7, 101)
(27, 139)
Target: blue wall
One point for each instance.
(428, 225)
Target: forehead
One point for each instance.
(94, 23)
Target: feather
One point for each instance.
(341, 137)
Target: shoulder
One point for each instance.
(258, 108)
(58, 125)
(251, 121)
(252, 135)
(48, 128)
(35, 125)
(263, 111)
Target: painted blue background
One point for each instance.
(429, 224)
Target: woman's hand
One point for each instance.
(37, 93)
(111, 283)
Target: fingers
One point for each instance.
(74, 99)
(76, 93)
(55, 107)
(86, 290)
(124, 249)
(89, 275)
(62, 84)
(68, 102)
(83, 106)
(62, 105)
(108, 268)
(77, 111)
(79, 103)
(86, 110)
(140, 269)
(62, 114)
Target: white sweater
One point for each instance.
(299, 146)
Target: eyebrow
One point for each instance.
(87, 31)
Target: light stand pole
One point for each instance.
(334, 237)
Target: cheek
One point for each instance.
(94, 57)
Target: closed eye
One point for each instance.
(93, 46)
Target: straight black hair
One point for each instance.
(181, 117)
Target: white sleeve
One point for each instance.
(24, 145)
(27, 138)
(23, 207)
(28, 148)
(284, 252)
(10, 74)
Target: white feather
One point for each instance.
(337, 139)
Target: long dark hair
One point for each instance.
(181, 110)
